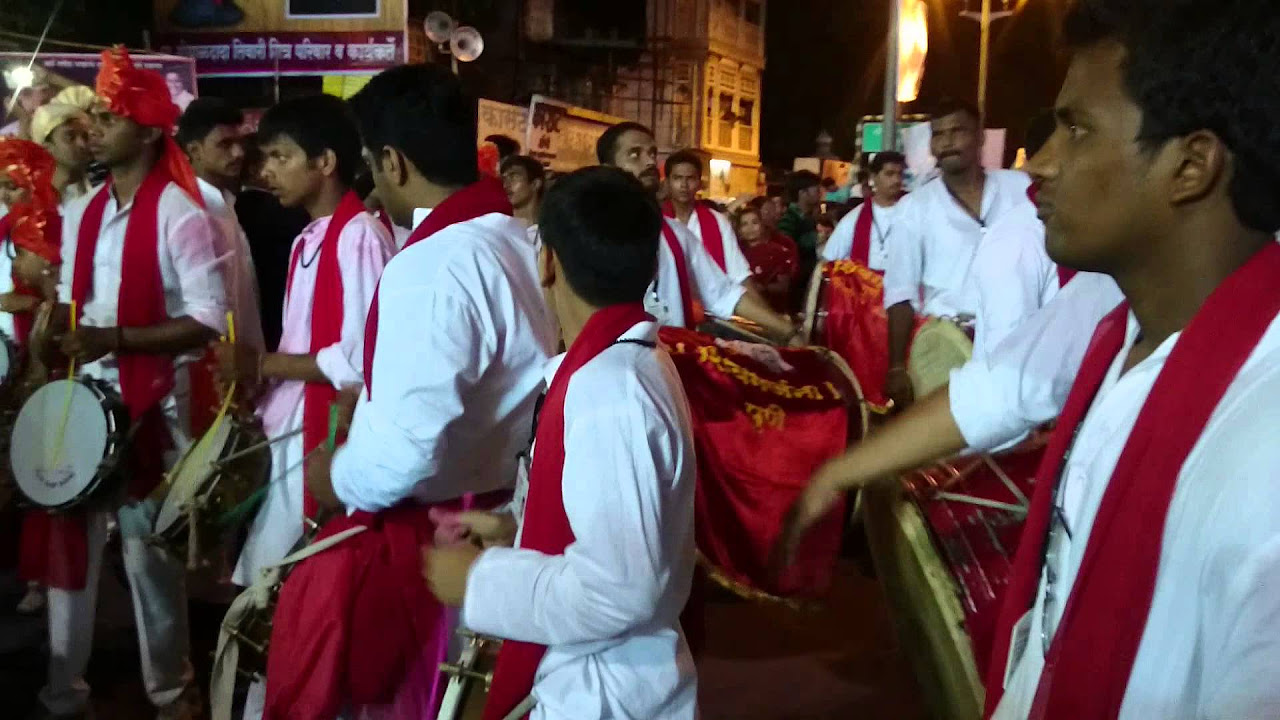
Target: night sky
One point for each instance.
(826, 68)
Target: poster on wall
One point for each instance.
(495, 118)
(229, 38)
(562, 136)
(179, 72)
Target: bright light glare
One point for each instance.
(913, 46)
(19, 77)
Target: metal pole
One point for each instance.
(890, 123)
(984, 52)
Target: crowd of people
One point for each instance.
(473, 423)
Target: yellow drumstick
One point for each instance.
(66, 401)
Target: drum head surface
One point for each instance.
(938, 348)
(192, 471)
(47, 476)
(6, 357)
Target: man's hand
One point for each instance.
(480, 528)
(238, 362)
(897, 386)
(812, 505)
(16, 303)
(446, 570)
(319, 481)
(88, 343)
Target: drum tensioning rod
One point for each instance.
(254, 448)
(1008, 482)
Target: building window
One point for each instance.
(727, 120)
(754, 12)
(746, 124)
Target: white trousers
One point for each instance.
(157, 588)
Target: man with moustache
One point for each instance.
(937, 231)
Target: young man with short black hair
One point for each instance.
(862, 235)
(589, 599)
(684, 171)
(524, 180)
(312, 153)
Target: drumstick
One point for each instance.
(66, 401)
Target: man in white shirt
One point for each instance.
(312, 150)
(209, 132)
(1012, 273)
(887, 170)
(686, 272)
(138, 327)
(684, 171)
(937, 232)
(523, 178)
(1150, 599)
(589, 598)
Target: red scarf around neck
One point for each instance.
(861, 251)
(545, 527)
(1103, 622)
(483, 197)
(682, 274)
(326, 327)
(712, 240)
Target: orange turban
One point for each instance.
(143, 97)
(34, 224)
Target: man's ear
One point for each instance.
(327, 163)
(546, 266)
(1198, 164)
(394, 165)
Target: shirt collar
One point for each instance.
(646, 331)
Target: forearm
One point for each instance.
(901, 318)
(171, 337)
(283, 366)
(924, 433)
(754, 308)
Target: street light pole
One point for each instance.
(890, 124)
(985, 19)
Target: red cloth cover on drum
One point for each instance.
(764, 419)
(857, 327)
(1105, 614)
(356, 622)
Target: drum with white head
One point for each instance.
(940, 346)
(68, 442)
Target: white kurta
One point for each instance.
(1212, 639)
(192, 278)
(935, 239)
(8, 251)
(1024, 380)
(608, 608)
(364, 247)
(1012, 275)
(241, 279)
(463, 335)
(840, 245)
(735, 263)
(709, 284)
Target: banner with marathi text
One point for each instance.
(288, 37)
(764, 419)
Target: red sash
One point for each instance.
(326, 328)
(481, 198)
(1105, 616)
(712, 240)
(545, 527)
(861, 251)
(682, 273)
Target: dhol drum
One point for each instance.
(940, 346)
(943, 543)
(68, 443)
(211, 490)
(469, 678)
